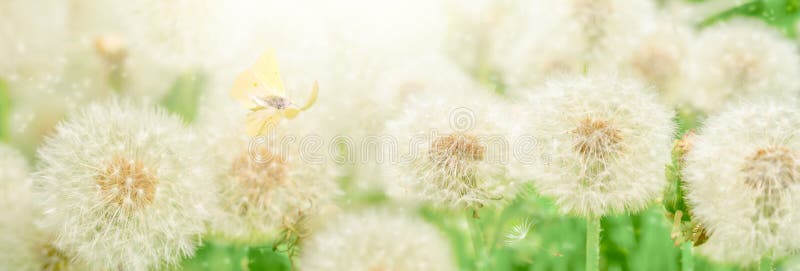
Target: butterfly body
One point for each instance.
(273, 101)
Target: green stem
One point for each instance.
(477, 241)
(592, 243)
(243, 254)
(687, 259)
(766, 264)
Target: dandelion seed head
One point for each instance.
(569, 37)
(750, 151)
(266, 186)
(657, 57)
(26, 245)
(739, 59)
(450, 150)
(121, 193)
(376, 240)
(607, 139)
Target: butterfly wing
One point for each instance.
(266, 71)
(312, 99)
(245, 88)
(291, 112)
(262, 121)
(262, 80)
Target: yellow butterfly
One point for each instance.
(260, 89)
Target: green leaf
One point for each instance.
(264, 258)
(458, 236)
(184, 95)
(781, 14)
(216, 256)
(5, 111)
(752, 8)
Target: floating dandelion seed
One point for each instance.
(124, 187)
(743, 175)
(518, 232)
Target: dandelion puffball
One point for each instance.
(740, 58)
(606, 141)
(657, 57)
(124, 187)
(24, 246)
(743, 178)
(267, 184)
(546, 38)
(376, 240)
(450, 150)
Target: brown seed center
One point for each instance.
(656, 63)
(127, 183)
(771, 170)
(455, 153)
(257, 174)
(596, 138)
(458, 146)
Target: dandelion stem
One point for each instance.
(477, 241)
(687, 258)
(592, 243)
(766, 264)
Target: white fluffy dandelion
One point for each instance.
(124, 187)
(743, 178)
(26, 246)
(268, 184)
(657, 57)
(546, 38)
(451, 149)
(376, 240)
(741, 58)
(607, 141)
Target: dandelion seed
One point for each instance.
(518, 232)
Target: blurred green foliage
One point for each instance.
(5, 111)
(781, 14)
(184, 95)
